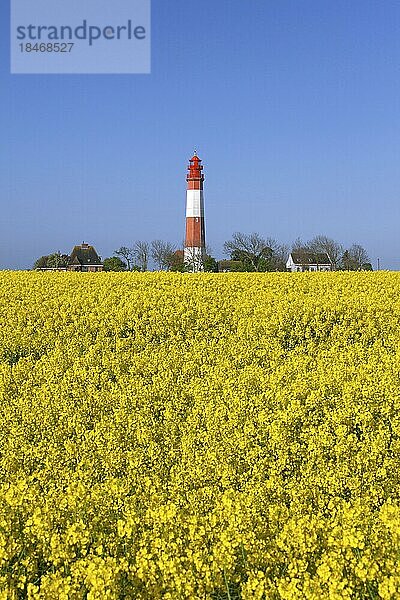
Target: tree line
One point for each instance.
(244, 252)
(352, 258)
(252, 252)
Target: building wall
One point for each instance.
(86, 268)
(295, 268)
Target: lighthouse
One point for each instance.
(195, 241)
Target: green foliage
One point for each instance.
(253, 261)
(367, 267)
(233, 266)
(52, 261)
(348, 263)
(176, 262)
(256, 253)
(355, 259)
(41, 263)
(114, 263)
(210, 264)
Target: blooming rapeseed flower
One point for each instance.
(199, 436)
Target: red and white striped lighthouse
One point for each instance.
(195, 241)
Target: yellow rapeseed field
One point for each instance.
(199, 436)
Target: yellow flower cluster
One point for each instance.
(199, 436)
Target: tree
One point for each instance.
(41, 263)
(347, 263)
(359, 255)
(322, 243)
(114, 263)
(199, 259)
(57, 260)
(127, 254)
(367, 267)
(355, 259)
(249, 249)
(210, 264)
(177, 262)
(52, 261)
(299, 246)
(141, 252)
(162, 254)
(256, 253)
(278, 258)
(234, 266)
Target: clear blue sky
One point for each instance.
(294, 106)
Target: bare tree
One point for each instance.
(277, 261)
(127, 254)
(257, 253)
(141, 251)
(161, 253)
(302, 251)
(248, 248)
(322, 243)
(359, 255)
(299, 246)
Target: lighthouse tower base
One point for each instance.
(194, 259)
